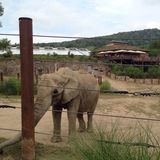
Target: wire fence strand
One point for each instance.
(132, 144)
(75, 37)
(98, 114)
(4, 106)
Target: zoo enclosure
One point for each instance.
(27, 82)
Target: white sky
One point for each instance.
(80, 17)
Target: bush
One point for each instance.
(10, 86)
(118, 70)
(134, 72)
(154, 72)
(105, 86)
(7, 54)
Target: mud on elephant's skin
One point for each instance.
(64, 89)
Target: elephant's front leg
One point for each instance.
(56, 113)
(72, 114)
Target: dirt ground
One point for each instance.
(120, 105)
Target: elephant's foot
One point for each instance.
(81, 129)
(90, 130)
(56, 139)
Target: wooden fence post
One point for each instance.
(99, 79)
(36, 77)
(1, 77)
(18, 76)
(144, 80)
(27, 99)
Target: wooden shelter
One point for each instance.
(118, 51)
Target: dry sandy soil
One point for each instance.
(124, 105)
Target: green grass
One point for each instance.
(105, 86)
(117, 145)
(99, 145)
(10, 86)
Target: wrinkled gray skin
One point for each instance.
(64, 89)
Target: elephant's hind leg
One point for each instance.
(89, 122)
(82, 125)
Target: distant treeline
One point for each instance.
(137, 38)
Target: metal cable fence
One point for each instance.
(95, 114)
(142, 93)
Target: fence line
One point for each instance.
(95, 114)
(134, 144)
(88, 63)
(72, 37)
(45, 36)
(142, 93)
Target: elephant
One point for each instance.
(64, 89)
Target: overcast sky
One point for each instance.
(80, 17)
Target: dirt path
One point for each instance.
(123, 105)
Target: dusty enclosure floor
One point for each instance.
(121, 105)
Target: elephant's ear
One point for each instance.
(71, 90)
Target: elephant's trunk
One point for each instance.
(39, 110)
(9, 142)
(41, 106)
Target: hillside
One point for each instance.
(138, 38)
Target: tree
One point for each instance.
(155, 45)
(5, 45)
(1, 11)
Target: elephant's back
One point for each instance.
(88, 82)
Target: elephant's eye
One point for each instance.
(55, 91)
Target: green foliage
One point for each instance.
(133, 72)
(154, 72)
(155, 45)
(5, 44)
(154, 52)
(138, 38)
(105, 86)
(10, 86)
(118, 70)
(8, 54)
(137, 72)
(1, 11)
(116, 144)
(71, 55)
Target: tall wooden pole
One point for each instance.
(26, 54)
